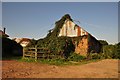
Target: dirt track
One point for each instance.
(102, 69)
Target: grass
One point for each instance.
(12, 58)
(58, 61)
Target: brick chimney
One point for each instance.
(4, 30)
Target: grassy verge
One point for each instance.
(72, 60)
(58, 62)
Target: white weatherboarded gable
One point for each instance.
(70, 29)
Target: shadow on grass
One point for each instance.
(11, 58)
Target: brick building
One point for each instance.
(22, 41)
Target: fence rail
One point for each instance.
(38, 53)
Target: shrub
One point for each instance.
(111, 51)
(61, 46)
(103, 42)
(76, 57)
(95, 56)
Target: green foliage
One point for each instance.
(103, 42)
(118, 50)
(61, 46)
(27, 59)
(76, 57)
(61, 61)
(96, 56)
(58, 25)
(118, 44)
(32, 43)
(111, 51)
(58, 61)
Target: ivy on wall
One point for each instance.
(63, 45)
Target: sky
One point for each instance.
(60, 0)
(119, 22)
(0, 13)
(34, 19)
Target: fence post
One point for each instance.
(23, 52)
(35, 53)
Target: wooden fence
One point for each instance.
(38, 53)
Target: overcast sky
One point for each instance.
(34, 19)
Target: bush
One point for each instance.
(111, 51)
(96, 56)
(76, 57)
(61, 46)
(103, 42)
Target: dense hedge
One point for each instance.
(10, 47)
(112, 51)
(103, 43)
(109, 52)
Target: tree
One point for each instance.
(103, 42)
(118, 44)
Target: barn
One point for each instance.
(68, 37)
(86, 44)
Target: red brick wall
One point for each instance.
(79, 32)
(88, 44)
(82, 47)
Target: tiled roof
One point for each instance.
(25, 39)
(20, 40)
